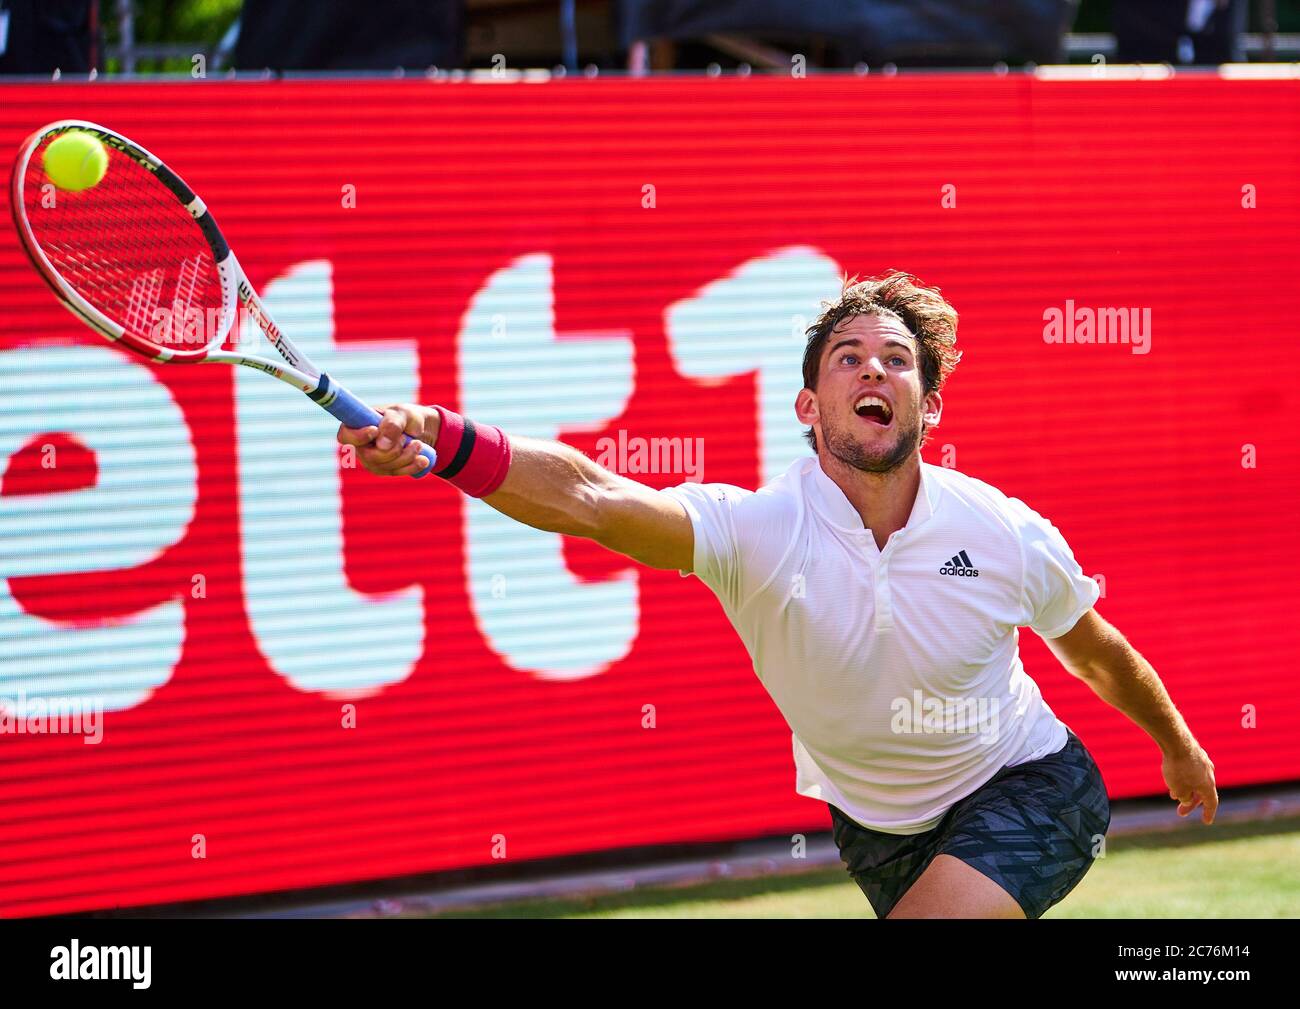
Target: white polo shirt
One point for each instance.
(898, 670)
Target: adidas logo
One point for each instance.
(960, 565)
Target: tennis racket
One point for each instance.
(140, 260)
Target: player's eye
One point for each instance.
(848, 358)
(899, 359)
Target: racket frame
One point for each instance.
(293, 368)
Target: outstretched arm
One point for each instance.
(549, 486)
(1098, 654)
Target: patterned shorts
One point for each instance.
(1031, 829)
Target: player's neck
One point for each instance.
(883, 500)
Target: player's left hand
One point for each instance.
(1189, 773)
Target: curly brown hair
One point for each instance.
(923, 310)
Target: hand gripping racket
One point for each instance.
(139, 259)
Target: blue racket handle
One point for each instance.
(351, 412)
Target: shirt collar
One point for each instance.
(836, 508)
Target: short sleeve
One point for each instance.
(711, 508)
(1055, 592)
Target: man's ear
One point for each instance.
(933, 409)
(805, 407)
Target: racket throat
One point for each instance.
(326, 393)
(253, 307)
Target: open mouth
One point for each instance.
(874, 409)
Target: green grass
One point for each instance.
(1244, 870)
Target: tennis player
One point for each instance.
(879, 597)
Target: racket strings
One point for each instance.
(130, 248)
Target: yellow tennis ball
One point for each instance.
(75, 161)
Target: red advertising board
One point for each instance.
(305, 675)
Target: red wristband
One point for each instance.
(473, 457)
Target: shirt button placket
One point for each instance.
(884, 609)
(884, 600)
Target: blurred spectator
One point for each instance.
(41, 36)
(916, 32)
(346, 35)
(1178, 31)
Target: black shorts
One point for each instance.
(1032, 829)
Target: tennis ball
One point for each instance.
(75, 161)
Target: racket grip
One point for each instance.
(351, 412)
